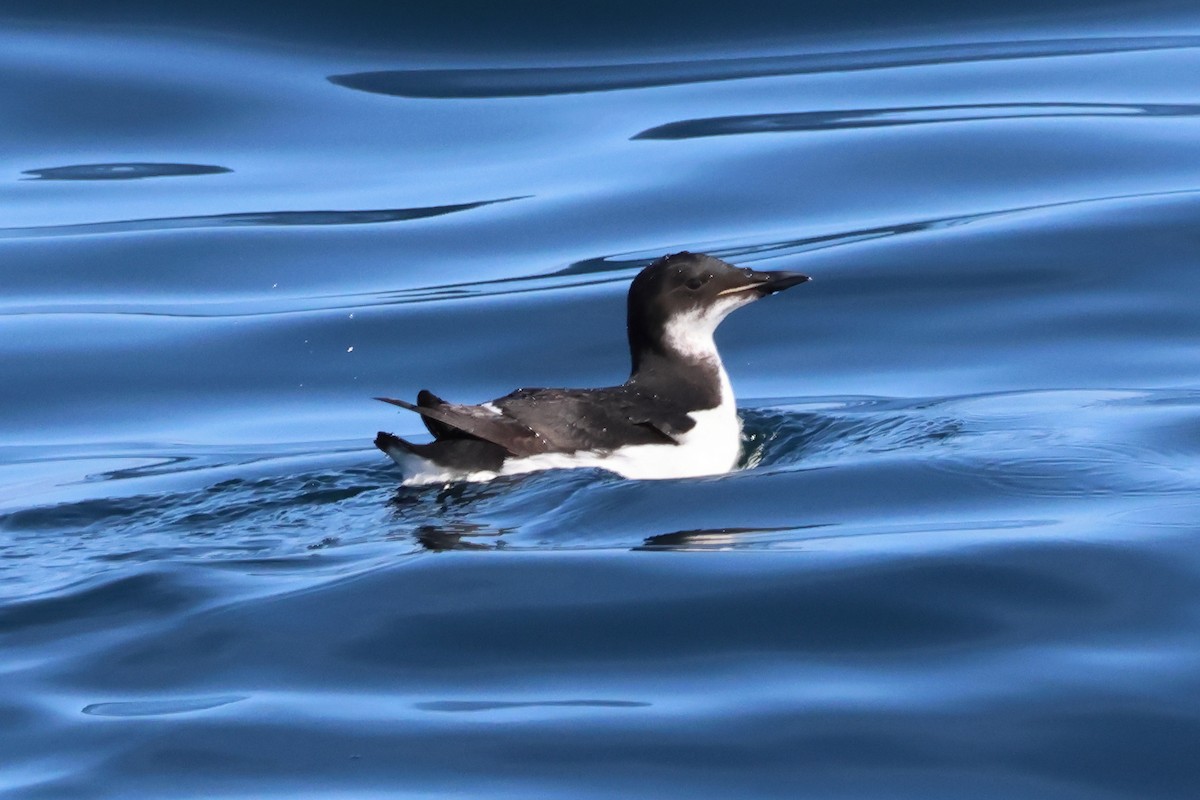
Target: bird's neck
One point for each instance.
(681, 361)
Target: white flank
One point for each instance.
(421, 471)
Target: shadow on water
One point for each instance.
(542, 81)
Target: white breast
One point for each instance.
(711, 447)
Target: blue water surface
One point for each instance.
(958, 559)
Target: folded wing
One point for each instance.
(480, 423)
(534, 421)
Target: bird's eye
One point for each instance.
(694, 283)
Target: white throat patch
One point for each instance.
(690, 334)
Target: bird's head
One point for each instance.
(676, 303)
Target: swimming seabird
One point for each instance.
(675, 417)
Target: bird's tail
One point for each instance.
(441, 460)
(394, 446)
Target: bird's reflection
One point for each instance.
(713, 538)
(455, 516)
(437, 518)
(447, 498)
(458, 536)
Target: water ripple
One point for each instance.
(541, 81)
(974, 448)
(938, 566)
(852, 118)
(254, 219)
(508, 705)
(158, 708)
(121, 171)
(586, 272)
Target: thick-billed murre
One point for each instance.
(675, 417)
